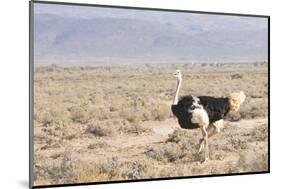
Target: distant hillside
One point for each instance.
(61, 39)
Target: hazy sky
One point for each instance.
(89, 12)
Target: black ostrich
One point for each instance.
(204, 112)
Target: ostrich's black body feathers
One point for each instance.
(216, 109)
(181, 112)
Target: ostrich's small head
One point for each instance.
(177, 74)
(236, 99)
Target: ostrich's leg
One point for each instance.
(200, 117)
(218, 126)
(213, 129)
(206, 143)
(201, 143)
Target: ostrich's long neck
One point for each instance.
(175, 102)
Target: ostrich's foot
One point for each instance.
(204, 145)
(205, 160)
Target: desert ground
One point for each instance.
(97, 123)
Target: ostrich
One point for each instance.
(204, 112)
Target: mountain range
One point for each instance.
(66, 39)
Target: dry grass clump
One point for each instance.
(99, 129)
(237, 143)
(126, 169)
(261, 134)
(180, 144)
(46, 119)
(254, 110)
(114, 127)
(156, 111)
(57, 132)
(115, 169)
(133, 129)
(179, 135)
(253, 161)
(67, 171)
(68, 131)
(169, 152)
(251, 153)
(135, 117)
(240, 140)
(236, 76)
(79, 114)
(96, 145)
(92, 173)
(161, 112)
(59, 171)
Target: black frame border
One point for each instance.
(31, 91)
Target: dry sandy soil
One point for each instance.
(113, 123)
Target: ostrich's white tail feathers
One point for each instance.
(236, 99)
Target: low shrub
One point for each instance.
(99, 130)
